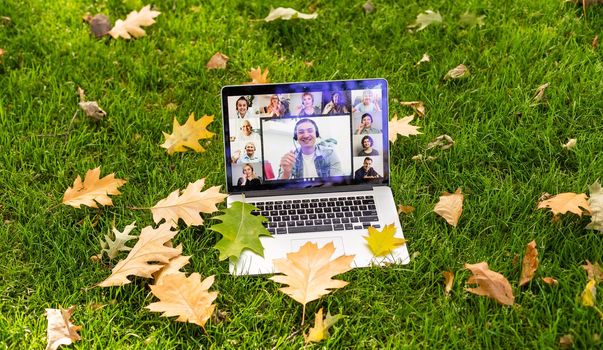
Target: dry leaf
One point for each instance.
(571, 143)
(60, 330)
(423, 59)
(320, 331)
(187, 136)
(593, 271)
(368, 7)
(171, 268)
(92, 110)
(450, 206)
(468, 19)
(288, 13)
(382, 243)
(529, 263)
(421, 157)
(448, 280)
(443, 141)
(539, 97)
(401, 127)
(459, 72)
(100, 25)
(187, 204)
(133, 23)
(595, 42)
(257, 77)
(596, 206)
(217, 61)
(112, 247)
(564, 202)
(417, 106)
(589, 294)
(406, 209)
(490, 283)
(425, 19)
(151, 247)
(566, 341)
(2, 52)
(93, 190)
(309, 271)
(550, 281)
(185, 297)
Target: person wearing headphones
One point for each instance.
(312, 159)
(367, 147)
(248, 157)
(249, 178)
(365, 126)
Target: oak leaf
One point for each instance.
(593, 271)
(490, 283)
(92, 190)
(450, 206)
(288, 13)
(187, 135)
(401, 127)
(529, 263)
(171, 268)
(417, 106)
(382, 243)
(112, 246)
(187, 204)
(564, 202)
(217, 61)
(595, 203)
(186, 297)
(257, 77)
(459, 72)
(448, 281)
(60, 330)
(425, 19)
(320, 331)
(131, 26)
(151, 247)
(309, 271)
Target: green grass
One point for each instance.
(507, 153)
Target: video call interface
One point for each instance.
(306, 138)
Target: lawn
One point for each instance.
(507, 152)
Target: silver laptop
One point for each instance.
(313, 157)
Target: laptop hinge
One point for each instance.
(313, 190)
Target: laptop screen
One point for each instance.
(305, 135)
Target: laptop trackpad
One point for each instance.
(321, 242)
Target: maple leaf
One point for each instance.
(401, 127)
(593, 271)
(383, 242)
(564, 202)
(469, 19)
(187, 205)
(112, 247)
(529, 263)
(448, 280)
(240, 230)
(450, 206)
(257, 77)
(171, 268)
(425, 19)
(217, 61)
(550, 281)
(288, 13)
(417, 106)
(459, 72)
(595, 203)
(186, 297)
(320, 331)
(93, 190)
(309, 271)
(149, 248)
(60, 330)
(187, 136)
(490, 283)
(131, 26)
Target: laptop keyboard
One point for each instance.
(316, 215)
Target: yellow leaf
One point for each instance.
(257, 77)
(288, 13)
(448, 280)
(571, 143)
(60, 330)
(450, 206)
(185, 297)
(93, 190)
(401, 127)
(320, 331)
(171, 268)
(490, 283)
(381, 243)
(133, 23)
(188, 205)
(589, 294)
(529, 263)
(459, 72)
(187, 136)
(564, 202)
(417, 106)
(217, 61)
(596, 205)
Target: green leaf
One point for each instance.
(240, 230)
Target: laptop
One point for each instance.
(313, 157)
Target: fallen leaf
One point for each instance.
(550, 281)
(131, 26)
(187, 136)
(320, 331)
(566, 341)
(151, 247)
(490, 283)
(540, 96)
(595, 203)
(92, 110)
(171, 268)
(423, 59)
(595, 42)
(571, 143)
(593, 271)
(469, 19)
(186, 297)
(187, 204)
(112, 247)
(2, 52)
(309, 271)
(448, 280)
(240, 230)
(382, 243)
(100, 25)
(401, 127)
(217, 61)
(443, 141)
(564, 202)
(257, 77)
(417, 106)
(288, 13)
(368, 7)
(450, 206)
(459, 72)
(589, 294)
(60, 330)
(529, 263)
(93, 190)
(87, 17)
(309, 64)
(425, 19)
(406, 209)
(421, 157)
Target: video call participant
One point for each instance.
(365, 126)
(367, 147)
(366, 171)
(312, 159)
(275, 108)
(368, 104)
(247, 134)
(249, 178)
(242, 108)
(248, 157)
(307, 107)
(336, 105)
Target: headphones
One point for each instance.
(366, 115)
(305, 120)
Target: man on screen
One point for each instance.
(366, 171)
(312, 159)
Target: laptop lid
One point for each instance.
(306, 136)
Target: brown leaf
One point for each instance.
(539, 97)
(131, 26)
(172, 267)
(564, 202)
(60, 329)
(217, 61)
(550, 281)
(257, 77)
(93, 190)
(448, 280)
(529, 263)
(92, 110)
(459, 72)
(443, 141)
(566, 341)
(417, 106)
(593, 271)
(368, 7)
(490, 284)
(401, 127)
(406, 209)
(2, 52)
(595, 42)
(100, 25)
(450, 206)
